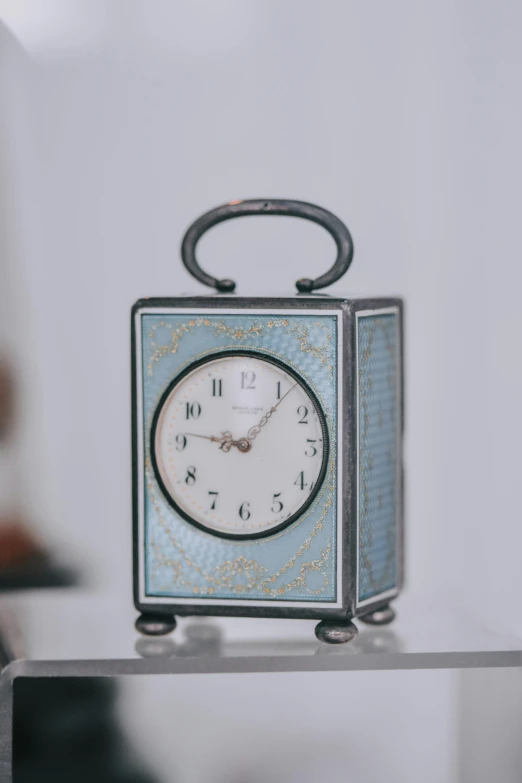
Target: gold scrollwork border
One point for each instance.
(242, 575)
(255, 330)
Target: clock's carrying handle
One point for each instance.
(273, 206)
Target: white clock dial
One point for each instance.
(239, 445)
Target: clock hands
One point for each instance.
(226, 440)
(255, 430)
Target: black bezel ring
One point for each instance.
(324, 427)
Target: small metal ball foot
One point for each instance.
(155, 624)
(381, 616)
(336, 631)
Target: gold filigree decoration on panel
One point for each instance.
(255, 330)
(300, 582)
(242, 575)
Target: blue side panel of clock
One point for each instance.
(299, 563)
(378, 351)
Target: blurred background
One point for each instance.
(123, 120)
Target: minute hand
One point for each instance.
(254, 431)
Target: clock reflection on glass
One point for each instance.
(239, 445)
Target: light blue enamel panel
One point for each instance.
(378, 355)
(297, 564)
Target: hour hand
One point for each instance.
(225, 440)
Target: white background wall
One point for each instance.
(123, 121)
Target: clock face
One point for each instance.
(239, 445)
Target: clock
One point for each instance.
(267, 448)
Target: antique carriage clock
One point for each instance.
(267, 448)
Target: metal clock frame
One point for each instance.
(349, 308)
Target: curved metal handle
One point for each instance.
(273, 206)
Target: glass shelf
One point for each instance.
(81, 633)
(73, 633)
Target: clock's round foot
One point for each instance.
(381, 616)
(155, 624)
(336, 631)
